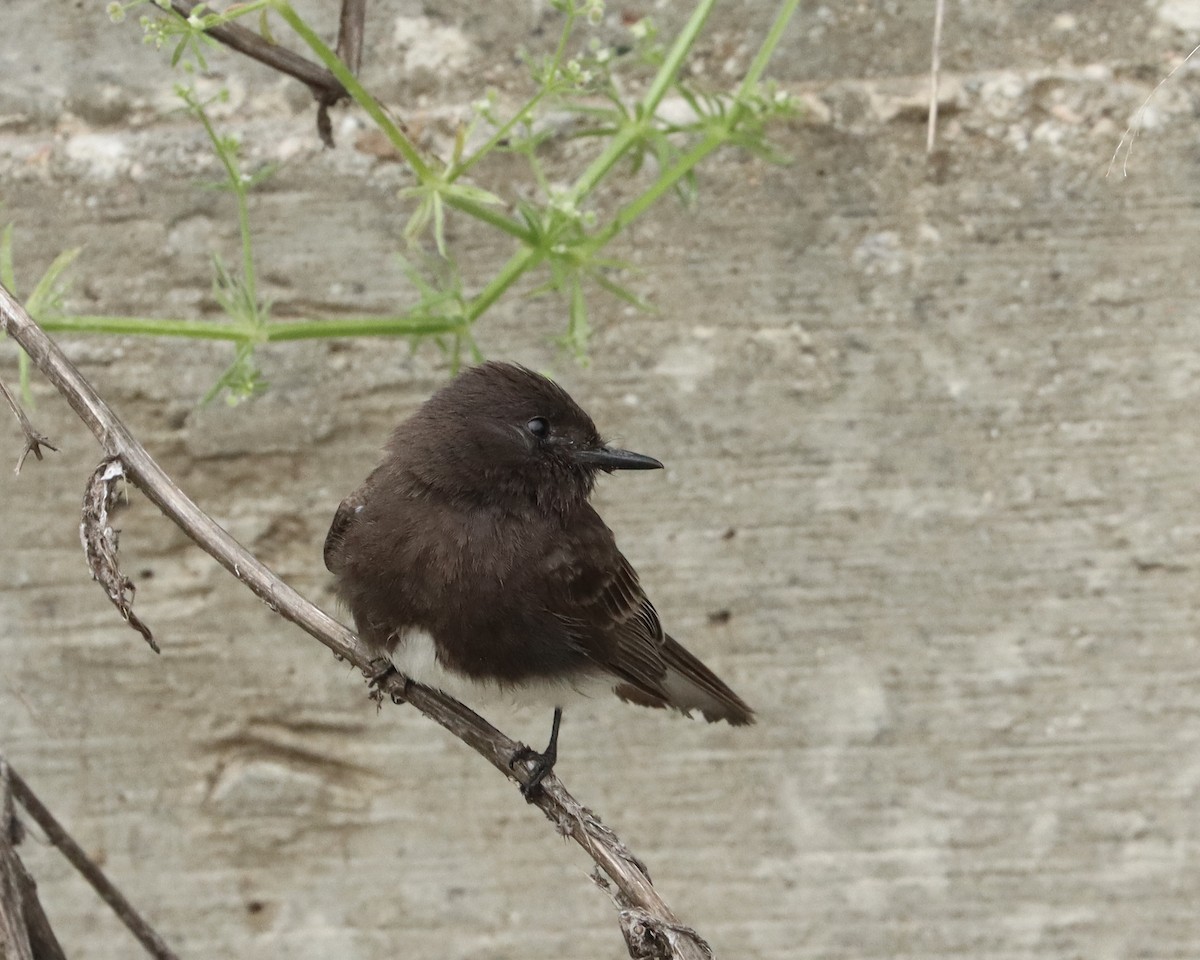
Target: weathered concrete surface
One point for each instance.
(931, 505)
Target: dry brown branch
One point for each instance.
(322, 83)
(14, 931)
(54, 831)
(41, 935)
(25, 929)
(349, 49)
(570, 817)
(350, 33)
(325, 87)
(34, 441)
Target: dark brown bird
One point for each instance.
(472, 561)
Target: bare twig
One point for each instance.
(43, 943)
(349, 50)
(99, 540)
(316, 78)
(325, 87)
(137, 925)
(23, 922)
(350, 33)
(41, 935)
(935, 70)
(14, 932)
(571, 818)
(34, 441)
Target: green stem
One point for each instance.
(712, 141)
(551, 74)
(524, 260)
(765, 52)
(501, 132)
(488, 214)
(243, 207)
(627, 136)
(564, 38)
(240, 10)
(23, 378)
(333, 63)
(674, 61)
(666, 181)
(518, 264)
(361, 327)
(276, 330)
(150, 326)
(423, 172)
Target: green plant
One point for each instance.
(559, 237)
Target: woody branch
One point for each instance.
(650, 927)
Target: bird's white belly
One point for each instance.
(415, 656)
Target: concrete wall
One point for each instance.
(931, 506)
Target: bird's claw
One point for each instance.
(378, 673)
(543, 763)
(542, 767)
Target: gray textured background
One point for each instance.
(930, 507)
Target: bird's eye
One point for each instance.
(539, 427)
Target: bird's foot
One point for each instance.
(543, 766)
(378, 672)
(543, 762)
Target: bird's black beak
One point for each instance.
(609, 458)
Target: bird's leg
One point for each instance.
(378, 672)
(543, 762)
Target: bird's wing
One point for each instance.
(347, 512)
(612, 621)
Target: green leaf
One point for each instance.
(477, 194)
(420, 217)
(242, 380)
(460, 142)
(578, 329)
(623, 293)
(45, 296)
(261, 175)
(439, 224)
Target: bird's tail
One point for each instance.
(690, 685)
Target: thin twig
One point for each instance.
(43, 944)
(350, 33)
(137, 925)
(41, 935)
(237, 37)
(570, 817)
(349, 51)
(325, 87)
(14, 932)
(34, 441)
(23, 922)
(935, 70)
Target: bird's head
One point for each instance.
(499, 432)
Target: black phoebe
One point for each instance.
(472, 561)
